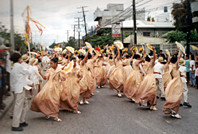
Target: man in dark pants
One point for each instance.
(2, 82)
(8, 69)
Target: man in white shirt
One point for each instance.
(182, 69)
(18, 81)
(158, 71)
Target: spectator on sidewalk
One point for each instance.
(182, 70)
(2, 85)
(187, 64)
(7, 67)
(18, 83)
(192, 71)
(196, 74)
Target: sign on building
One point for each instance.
(116, 30)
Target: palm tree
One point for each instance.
(179, 15)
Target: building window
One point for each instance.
(146, 33)
(165, 9)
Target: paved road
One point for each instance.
(108, 114)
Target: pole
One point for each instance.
(84, 21)
(122, 33)
(12, 25)
(189, 23)
(79, 32)
(67, 35)
(134, 22)
(74, 31)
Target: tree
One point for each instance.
(53, 45)
(179, 36)
(72, 42)
(102, 38)
(176, 36)
(194, 36)
(179, 14)
(19, 41)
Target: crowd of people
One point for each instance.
(47, 82)
(5, 69)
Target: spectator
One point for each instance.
(161, 54)
(187, 64)
(192, 71)
(197, 74)
(8, 68)
(18, 50)
(18, 83)
(2, 87)
(182, 70)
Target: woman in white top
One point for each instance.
(34, 75)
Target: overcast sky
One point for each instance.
(58, 15)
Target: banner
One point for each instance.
(116, 30)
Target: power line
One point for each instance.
(78, 31)
(83, 11)
(127, 13)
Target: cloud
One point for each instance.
(56, 15)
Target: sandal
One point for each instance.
(86, 102)
(77, 112)
(176, 116)
(119, 95)
(47, 117)
(153, 108)
(81, 102)
(58, 120)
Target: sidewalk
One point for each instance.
(8, 101)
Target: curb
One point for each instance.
(6, 110)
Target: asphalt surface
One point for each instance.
(108, 114)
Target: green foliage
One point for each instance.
(176, 36)
(181, 36)
(194, 36)
(72, 42)
(103, 38)
(53, 45)
(19, 41)
(179, 14)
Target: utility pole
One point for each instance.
(188, 27)
(67, 35)
(75, 31)
(83, 11)
(12, 25)
(78, 31)
(134, 23)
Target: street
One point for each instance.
(108, 114)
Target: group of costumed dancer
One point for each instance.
(73, 77)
